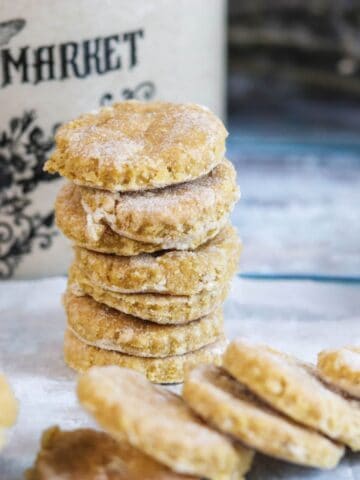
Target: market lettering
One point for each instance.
(97, 56)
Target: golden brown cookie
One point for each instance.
(230, 407)
(8, 408)
(86, 454)
(177, 217)
(103, 327)
(155, 307)
(139, 146)
(341, 368)
(80, 357)
(71, 219)
(170, 272)
(158, 423)
(294, 389)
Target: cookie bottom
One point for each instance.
(81, 357)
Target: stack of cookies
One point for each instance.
(148, 212)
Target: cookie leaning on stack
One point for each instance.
(148, 211)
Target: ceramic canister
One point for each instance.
(61, 58)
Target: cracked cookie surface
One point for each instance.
(177, 217)
(133, 146)
(71, 220)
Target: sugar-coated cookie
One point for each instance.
(86, 454)
(155, 307)
(139, 146)
(158, 423)
(294, 389)
(80, 356)
(230, 407)
(107, 328)
(341, 368)
(177, 217)
(171, 272)
(71, 219)
(8, 408)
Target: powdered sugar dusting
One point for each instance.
(350, 358)
(130, 131)
(168, 201)
(98, 142)
(218, 348)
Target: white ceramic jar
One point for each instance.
(60, 58)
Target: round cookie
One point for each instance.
(233, 409)
(139, 146)
(155, 307)
(81, 357)
(341, 368)
(178, 217)
(112, 330)
(8, 404)
(71, 220)
(88, 454)
(294, 389)
(158, 423)
(170, 272)
(8, 408)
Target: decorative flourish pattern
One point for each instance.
(24, 148)
(143, 91)
(23, 151)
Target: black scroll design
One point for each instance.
(24, 148)
(143, 91)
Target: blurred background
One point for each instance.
(287, 72)
(294, 118)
